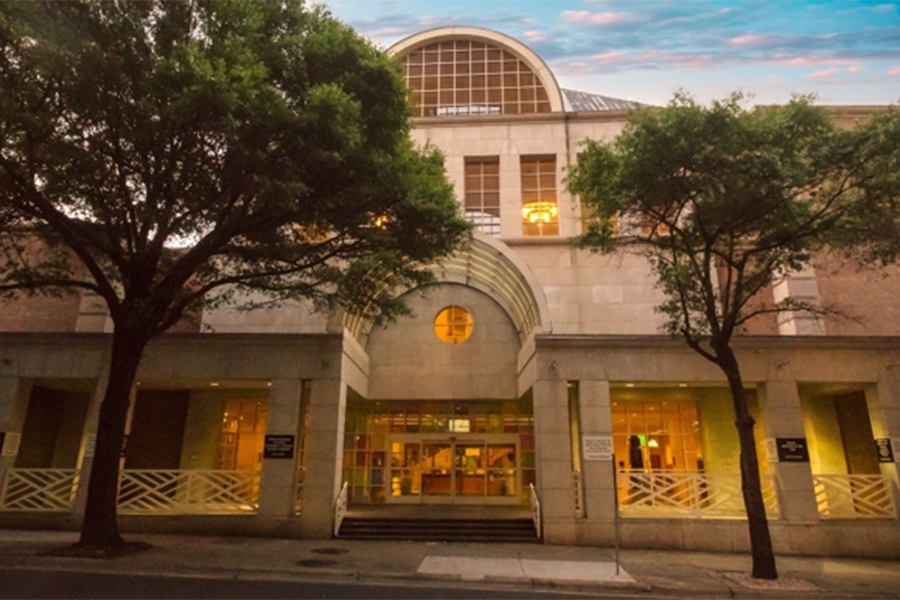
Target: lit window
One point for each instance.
(657, 435)
(540, 212)
(466, 78)
(453, 325)
(483, 193)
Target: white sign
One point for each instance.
(11, 444)
(597, 447)
(771, 450)
(90, 444)
(459, 425)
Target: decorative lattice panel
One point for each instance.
(688, 495)
(41, 490)
(854, 497)
(145, 491)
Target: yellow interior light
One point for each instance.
(540, 212)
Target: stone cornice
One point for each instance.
(761, 342)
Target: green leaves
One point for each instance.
(724, 199)
(267, 134)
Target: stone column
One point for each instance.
(884, 410)
(597, 475)
(279, 475)
(324, 453)
(782, 417)
(13, 406)
(554, 461)
(86, 454)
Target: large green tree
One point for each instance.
(723, 201)
(165, 154)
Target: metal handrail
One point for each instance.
(535, 509)
(340, 508)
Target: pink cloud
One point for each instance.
(534, 36)
(590, 18)
(746, 40)
(821, 75)
(684, 61)
(806, 61)
(894, 71)
(854, 69)
(609, 57)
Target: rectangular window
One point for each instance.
(653, 436)
(540, 212)
(482, 200)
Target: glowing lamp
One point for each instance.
(540, 212)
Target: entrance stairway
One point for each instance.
(439, 530)
(440, 524)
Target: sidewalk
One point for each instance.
(537, 566)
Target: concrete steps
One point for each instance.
(440, 530)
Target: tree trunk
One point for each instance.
(100, 530)
(760, 541)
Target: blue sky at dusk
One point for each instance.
(846, 52)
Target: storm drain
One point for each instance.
(329, 551)
(316, 563)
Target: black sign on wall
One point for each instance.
(792, 450)
(885, 452)
(279, 446)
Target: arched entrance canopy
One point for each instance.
(484, 266)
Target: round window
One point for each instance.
(453, 325)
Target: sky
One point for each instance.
(846, 52)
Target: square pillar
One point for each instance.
(278, 484)
(86, 453)
(13, 406)
(883, 401)
(555, 479)
(324, 455)
(598, 476)
(782, 417)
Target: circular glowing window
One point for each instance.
(453, 325)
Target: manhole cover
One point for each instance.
(329, 550)
(316, 562)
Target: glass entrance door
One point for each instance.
(454, 471)
(437, 463)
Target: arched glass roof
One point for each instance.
(464, 71)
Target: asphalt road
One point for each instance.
(29, 583)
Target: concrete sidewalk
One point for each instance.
(518, 565)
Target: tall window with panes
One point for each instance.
(483, 193)
(540, 211)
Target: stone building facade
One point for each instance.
(532, 371)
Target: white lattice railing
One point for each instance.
(854, 497)
(535, 508)
(40, 490)
(688, 495)
(171, 491)
(340, 507)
